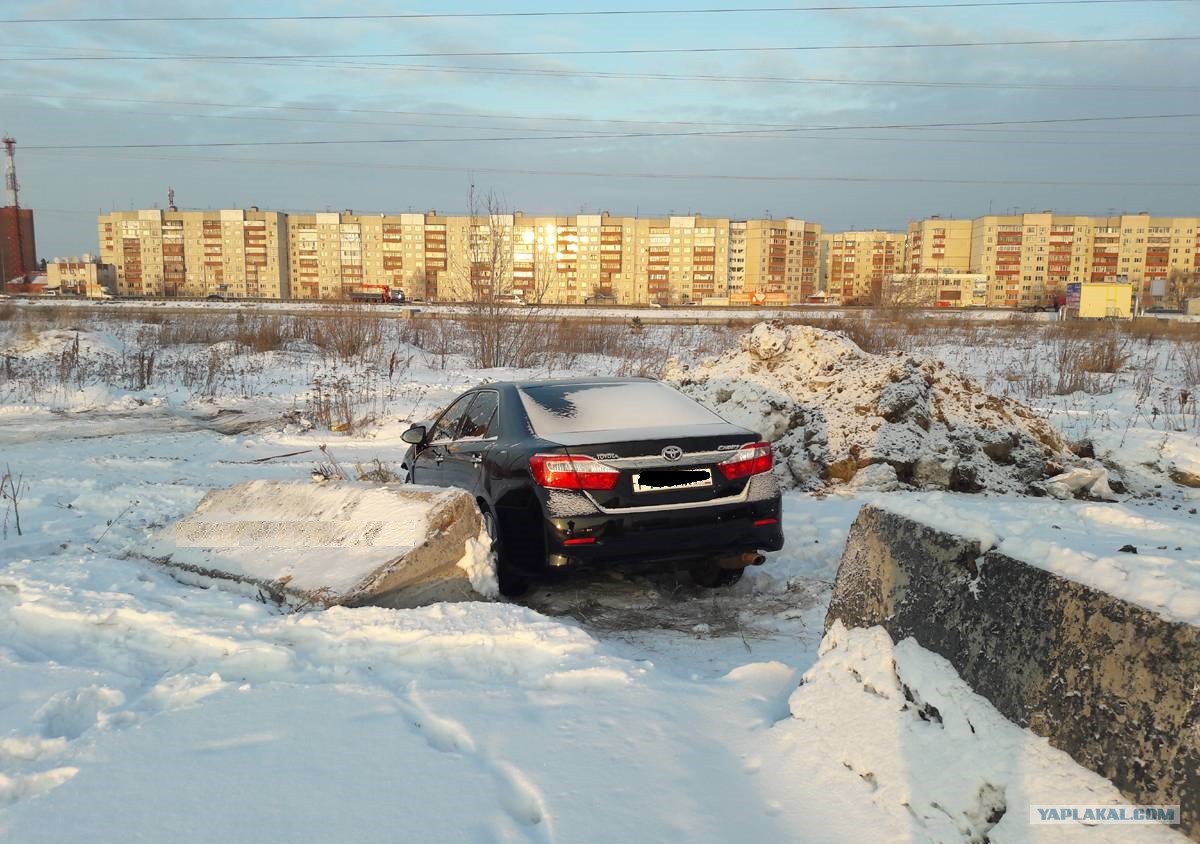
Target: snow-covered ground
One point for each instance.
(137, 708)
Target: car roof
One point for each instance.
(569, 382)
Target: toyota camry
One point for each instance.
(603, 472)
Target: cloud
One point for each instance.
(82, 184)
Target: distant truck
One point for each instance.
(378, 293)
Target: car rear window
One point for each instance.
(570, 408)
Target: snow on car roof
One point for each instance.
(570, 407)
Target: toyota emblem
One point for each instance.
(672, 452)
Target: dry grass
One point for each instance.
(1103, 355)
(377, 472)
(1188, 355)
(346, 333)
(266, 333)
(202, 329)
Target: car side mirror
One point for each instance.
(414, 435)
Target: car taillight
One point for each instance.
(572, 471)
(751, 459)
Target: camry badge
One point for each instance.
(672, 452)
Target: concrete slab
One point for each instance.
(338, 543)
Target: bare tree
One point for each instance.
(1181, 286)
(504, 300)
(900, 292)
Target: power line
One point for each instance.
(637, 51)
(1074, 133)
(608, 174)
(783, 80)
(766, 132)
(611, 136)
(475, 70)
(979, 4)
(737, 79)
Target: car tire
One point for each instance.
(512, 584)
(710, 575)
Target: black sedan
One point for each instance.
(604, 471)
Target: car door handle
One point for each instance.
(477, 460)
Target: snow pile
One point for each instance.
(837, 414)
(479, 562)
(909, 748)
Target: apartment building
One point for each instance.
(774, 262)
(556, 259)
(856, 264)
(1030, 258)
(83, 276)
(680, 259)
(574, 259)
(570, 260)
(233, 253)
(334, 255)
(935, 244)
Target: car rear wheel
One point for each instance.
(512, 585)
(711, 575)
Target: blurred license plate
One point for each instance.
(659, 480)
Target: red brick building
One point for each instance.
(18, 250)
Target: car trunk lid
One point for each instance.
(660, 466)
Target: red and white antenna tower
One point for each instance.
(10, 171)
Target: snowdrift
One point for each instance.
(335, 544)
(837, 414)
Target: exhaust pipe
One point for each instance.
(741, 561)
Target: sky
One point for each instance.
(848, 173)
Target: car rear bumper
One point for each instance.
(659, 537)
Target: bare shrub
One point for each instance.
(1076, 364)
(568, 339)
(345, 404)
(140, 367)
(330, 405)
(1188, 355)
(377, 472)
(12, 487)
(329, 469)
(877, 335)
(346, 333)
(205, 376)
(198, 329)
(266, 333)
(1107, 354)
(69, 362)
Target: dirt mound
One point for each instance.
(837, 414)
